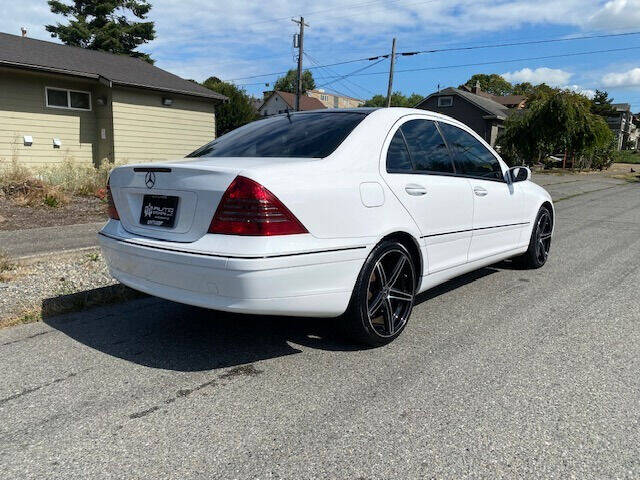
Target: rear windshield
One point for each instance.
(307, 135)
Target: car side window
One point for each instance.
(397, 155)
(471, 157)
(428, 151)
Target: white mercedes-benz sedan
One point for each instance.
(324, 213)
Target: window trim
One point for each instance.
(448, 97)
(455, 173)
(414, 170)
(454, 157)
(68, 107)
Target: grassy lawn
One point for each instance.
(628, 156)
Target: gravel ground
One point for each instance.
(27, 289)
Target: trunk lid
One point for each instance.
(198, 190)
(198, 185)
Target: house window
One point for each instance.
(324, 98)
(445, 101)
(69, 99)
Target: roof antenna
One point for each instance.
(24, 31)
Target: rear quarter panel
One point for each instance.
(325, 194)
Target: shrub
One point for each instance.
(52, 185)
(76, 179)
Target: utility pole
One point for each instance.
(393, 62)
(300, 53)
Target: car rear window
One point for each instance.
(306, 135)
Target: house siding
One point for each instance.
(23, 111)
(146, 130)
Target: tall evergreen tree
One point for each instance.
(104, 25)
(601, 104)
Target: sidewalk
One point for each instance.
(41, 241)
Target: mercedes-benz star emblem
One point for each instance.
(150, 179)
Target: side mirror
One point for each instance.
(519, 174)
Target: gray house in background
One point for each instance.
(484, 115)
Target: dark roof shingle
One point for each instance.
(119, 69)
(490, 106)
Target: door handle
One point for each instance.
(415, 190)
(479, 191)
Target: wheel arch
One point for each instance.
(412, 245)
(547, 204)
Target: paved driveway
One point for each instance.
(500, 374)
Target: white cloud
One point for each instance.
(198, 38)
(630, 78)
(618, 14)
(550, 76)
(587, 92)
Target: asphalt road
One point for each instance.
(500, 374)
(47, 240)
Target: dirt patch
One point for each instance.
(80, 209)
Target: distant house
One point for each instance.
(624, 126)
(484, 115)
(276, 102)
(333, 100)
(67, 103)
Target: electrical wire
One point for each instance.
(474, 47)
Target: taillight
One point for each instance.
(111, 206)
(247, 208)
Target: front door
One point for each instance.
(498, 206)
(420, 172)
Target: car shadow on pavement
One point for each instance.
(162, 334)
(455, 283)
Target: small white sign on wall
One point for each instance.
(27, 140)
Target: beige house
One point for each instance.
(62, 103)
(276, 102)
(333, 100)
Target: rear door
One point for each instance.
(498, 205)
(420, 172)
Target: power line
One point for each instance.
(514, 44)
(355, 72)
(496, 62)
(498, 45)
(343, 82)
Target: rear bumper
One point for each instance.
(306, 284)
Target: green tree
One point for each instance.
(288, 82)
(493, 83)
(104, 25)
(397, 100)
(601, 104)
(524, 88)
(541, 91)
(557, 122)
(236, 112)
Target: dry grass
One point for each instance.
(6, 266)
(52, 186)
(28, 315)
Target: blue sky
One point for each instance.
(234, 39)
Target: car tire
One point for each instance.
(383, 296)
(540, 242)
